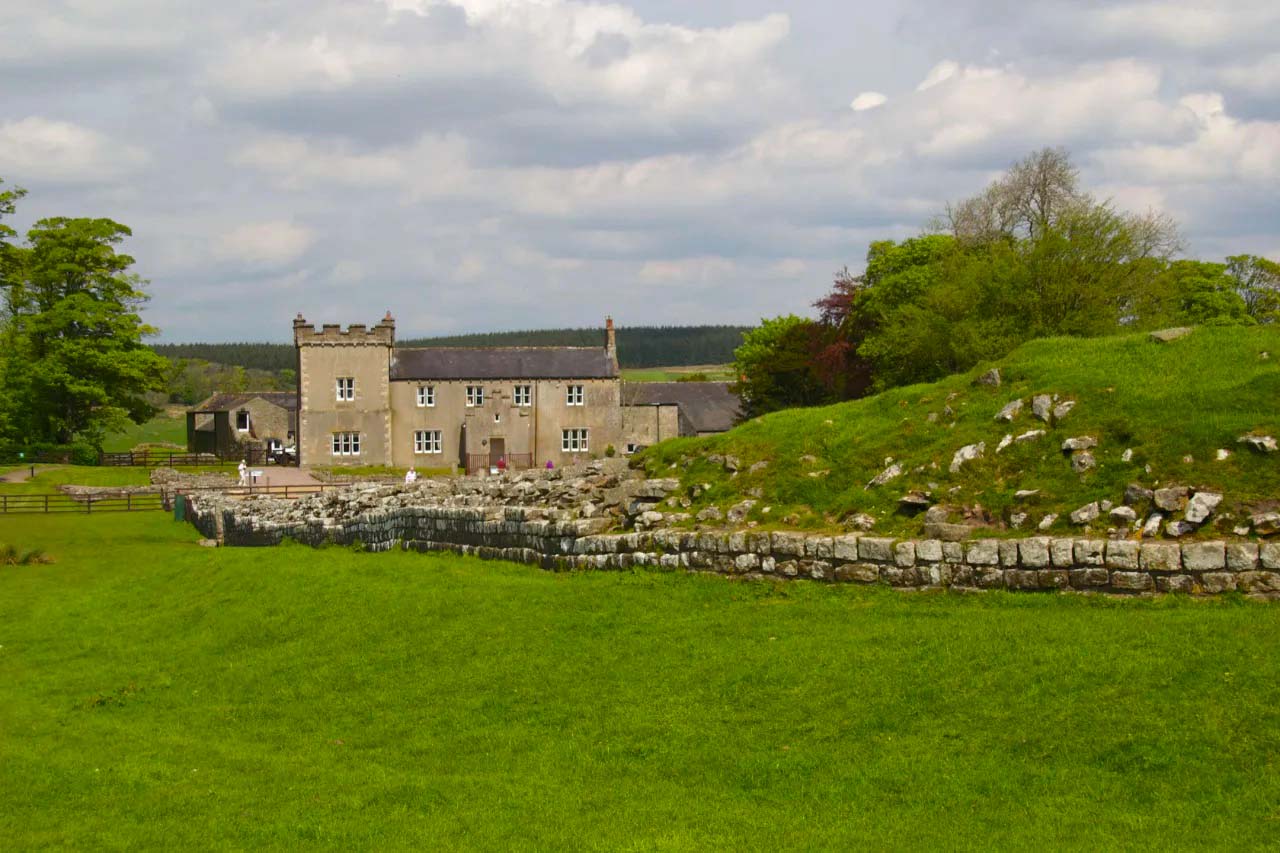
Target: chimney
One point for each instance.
(610, 340)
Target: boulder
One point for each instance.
(1265, 523)
(914, 501)
(1123, 515)
(991, 377)
(1083, 442)
(890, 473)
(1010, 410)
(1004, 442)
(947, 532)
(966, 454)
(861, 521)
(1029, 435)
(1061, 410)
(1025, 494)
(1083, 461)
(739, 511)
(1171, 499)
(1151, 527)
(1201, 506)
(1177, 529)
(1042, 407)
(1260, 443)
(1048, 521)
(758, 467)
(1086, 514)
(1135, 494)
(1164, 336)
(711, 513)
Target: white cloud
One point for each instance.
(272, 244)
(41, 149)
(867, 101)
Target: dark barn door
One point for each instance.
(497, 450)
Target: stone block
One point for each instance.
(858, 573)
(1242, 556)
(1218, 582)
(1022, 578)
(899, 576)
(1269, 555)
(876, 549)
(818, 547)
(1204, 556)
(768, 564)
(787, 544)
(1123, 554)
(929, 551)
(1160, 557)
(1132, 581)
(1259, 582)
(1089, 552)
(1089, 578)
(930, 575)
(984, 552)
(904, 554)
(952, 552)
(1062, 553)
(1034, 552)
(1184, 584)
(1053, 578)
(845, 548)
(1009, 553)
(788, 568)
(989, 577)
(819, 570)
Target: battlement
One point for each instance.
(333, 334)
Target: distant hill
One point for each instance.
(638, 346)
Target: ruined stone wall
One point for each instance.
(535, 536)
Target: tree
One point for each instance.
(1257, 281)
(79, 367)
(775, 366)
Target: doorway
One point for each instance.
(497, 450)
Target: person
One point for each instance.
(549, 465)
(411, 476)
(244, 472)
(502, 464)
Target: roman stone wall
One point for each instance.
(543, 537)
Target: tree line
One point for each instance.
(638, 346)
(1033, 255)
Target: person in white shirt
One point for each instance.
(244, 473)
(411, 476)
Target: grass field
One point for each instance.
(158, 694)
(164, 428)
(707, 372)
(1191, 398)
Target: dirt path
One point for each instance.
(21, 475)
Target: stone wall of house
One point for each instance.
(554, 539)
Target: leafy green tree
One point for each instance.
(79, 367)
(1257, 280)
(1203, 293)
(775, 366)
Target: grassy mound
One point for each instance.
(159, 695)
(1165, 401)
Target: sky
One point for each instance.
(475, 165)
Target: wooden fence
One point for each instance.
(179, 459)
(515, 462)
(60, 502)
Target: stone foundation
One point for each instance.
(526, 535)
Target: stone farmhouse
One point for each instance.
(362, 401)
(248, 424)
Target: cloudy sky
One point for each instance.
(498, 164)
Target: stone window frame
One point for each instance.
(345, 388)
(346, 444)
(475, 396)
(428, 441)
(574, 395)
(575, 440)
(522, 395)
(426, 396)
(245, 413)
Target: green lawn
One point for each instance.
(158, 694)
(1165, 402)
(162, 429)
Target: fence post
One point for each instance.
(46, 504)
(128, 501)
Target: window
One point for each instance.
(523, 395)
(632, 447)
(346, 444)
(573, 440)
(426, 441)
(426, 395)
(573, 395)
(242, 421)
(346, 388)
(475, 395)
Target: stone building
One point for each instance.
(251, 423)
(362, 401)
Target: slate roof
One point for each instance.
(709, 406)
(225, 402)
(503, 363)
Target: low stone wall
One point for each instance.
(525, 535)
